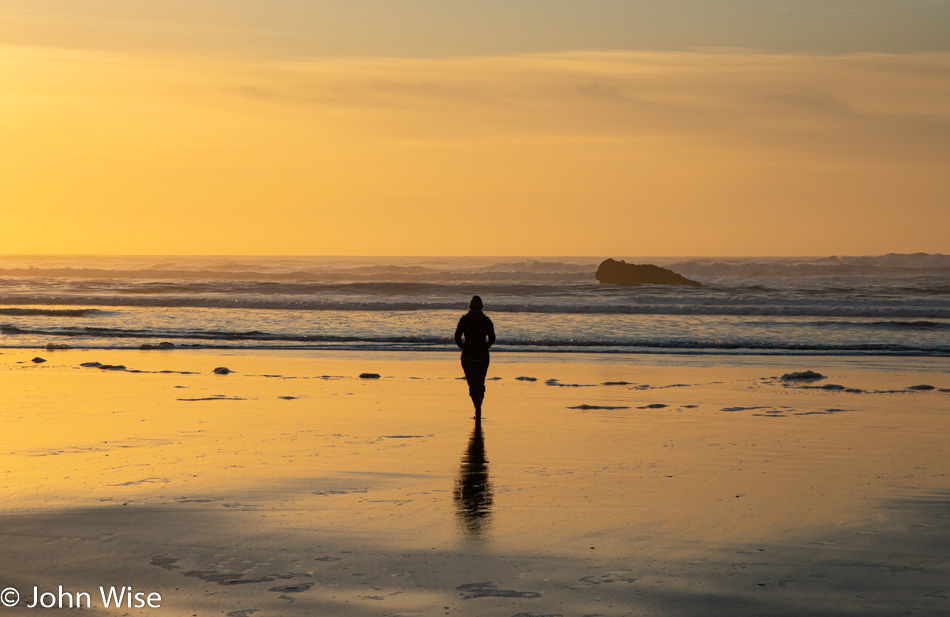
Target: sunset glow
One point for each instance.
(513, 307)
(137, 145)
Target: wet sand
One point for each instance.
(604, 486)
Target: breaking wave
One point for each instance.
(602, 304)
(126, 338)
(888, 304)
(25, 312)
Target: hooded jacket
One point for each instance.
(474, 335)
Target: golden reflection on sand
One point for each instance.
(473, 490)
(291, 485)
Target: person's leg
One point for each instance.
(470, 377)
(475, 372)
(477, 389)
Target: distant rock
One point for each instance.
(615, 272)
(38, 360)
(522, 378)
(91, 364)
(369, 375)
(112, 367)
(803, 376)
(57, 346)
(923, 386)
(222, 370)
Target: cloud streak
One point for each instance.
(864, 105)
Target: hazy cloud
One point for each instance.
(860, 105)
(431, 28)
(713, 147)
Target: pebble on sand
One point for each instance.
(585, 406)
(222, 370)
(369, 375)
(922, 386)
(38, 360)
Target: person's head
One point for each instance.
(475, 304)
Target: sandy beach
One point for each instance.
(601, 486)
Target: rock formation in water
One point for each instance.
(621, 273)
(802, 376)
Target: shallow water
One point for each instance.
(775, 306)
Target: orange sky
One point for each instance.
(243, 147)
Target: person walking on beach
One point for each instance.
(474, 335)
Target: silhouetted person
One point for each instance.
(474, 335)
(473, 494)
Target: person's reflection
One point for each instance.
(473, 493)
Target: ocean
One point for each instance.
(896, 305)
